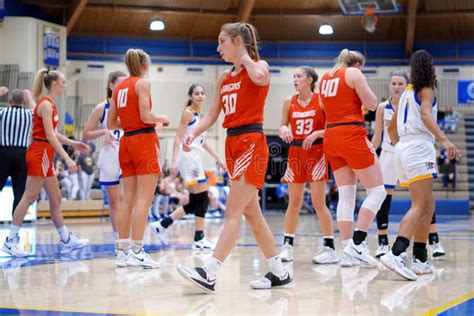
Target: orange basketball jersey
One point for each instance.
(341, 102)
(305, 119)
(38, 127)
(126, 102)
(242, 100)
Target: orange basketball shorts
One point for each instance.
(139, 155)
(306, 165)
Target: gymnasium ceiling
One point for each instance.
(276, 20)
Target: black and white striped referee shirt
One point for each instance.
(15, 126)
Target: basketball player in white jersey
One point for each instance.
(108, 162)
(188, 161)
(414, 129)
(383, 116)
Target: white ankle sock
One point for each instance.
(276, 267)
(13, 231)
(136, 245)
(122, 244)
(63, 233)
(211, 267)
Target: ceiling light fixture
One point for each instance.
(325, 29)
(157, 25)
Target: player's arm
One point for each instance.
(214, 155)
(284, 132)
(258, 71)
(112, 118)
(90, 130)
(143, 90)
(392, 129)
(355, 79)
(377, 137)
(427, 98)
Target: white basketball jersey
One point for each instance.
(116, 134)
(409, 123)
(387, 117)
(198, 141)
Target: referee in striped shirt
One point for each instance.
(16, 122)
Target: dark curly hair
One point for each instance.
(422, 72)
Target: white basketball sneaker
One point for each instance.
(398, 264)
(160, 232)
(141, 259)
(437, 250)
(73, 243)
(420, 268)
(204, 245)
(272, 281)
(361, 254)
(347, 261)
(13, 247)
(382, 250)
(326, 256)
(121, 260)
(286, 254)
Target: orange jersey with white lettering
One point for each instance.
(341, 102)
(126, 102)
(305, 119)
(38, 127)
(242, 100)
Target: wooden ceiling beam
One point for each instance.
(74, 11)
(57, 4)
(245, 10)
(411, 24)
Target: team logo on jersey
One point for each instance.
(304, 114)
(230, 87)
(430, 166)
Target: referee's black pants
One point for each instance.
(13, 164)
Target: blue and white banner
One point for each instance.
(51, 47)
(466, 92)
(2, 10)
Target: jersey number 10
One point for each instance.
(230, 103)
(329, 88)
(122, 98)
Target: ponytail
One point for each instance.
(347, 58)
(135, 59)
(44, 77)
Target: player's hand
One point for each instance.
(187, 142)
(163, 119)
(285, 134)
(71, 165)
(173, 169)
(3, 90)
(222, 164)
(108, 139)
(82, 147)
(451, 150)
(309, 140)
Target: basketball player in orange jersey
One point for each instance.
(40, 164)
(108, 162)
(306, 162)
(343, 91)
(130, 111)
(241, 93)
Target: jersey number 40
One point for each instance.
(329, 87)
(230, 103)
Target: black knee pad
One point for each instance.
(191, 206)
(433, 219)
(382, 214)
(202, 202)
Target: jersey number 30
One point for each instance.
(122, 98)
(329, 88)
(230, 103)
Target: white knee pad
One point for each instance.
(346, 204)
(374, 199)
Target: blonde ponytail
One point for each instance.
(347, 58)
(249, 36)
(44, 77)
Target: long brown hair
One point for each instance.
(248, 33)
(134, 59)
(113, 76)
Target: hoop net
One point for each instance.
(369, 20)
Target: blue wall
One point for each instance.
(315, 54)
